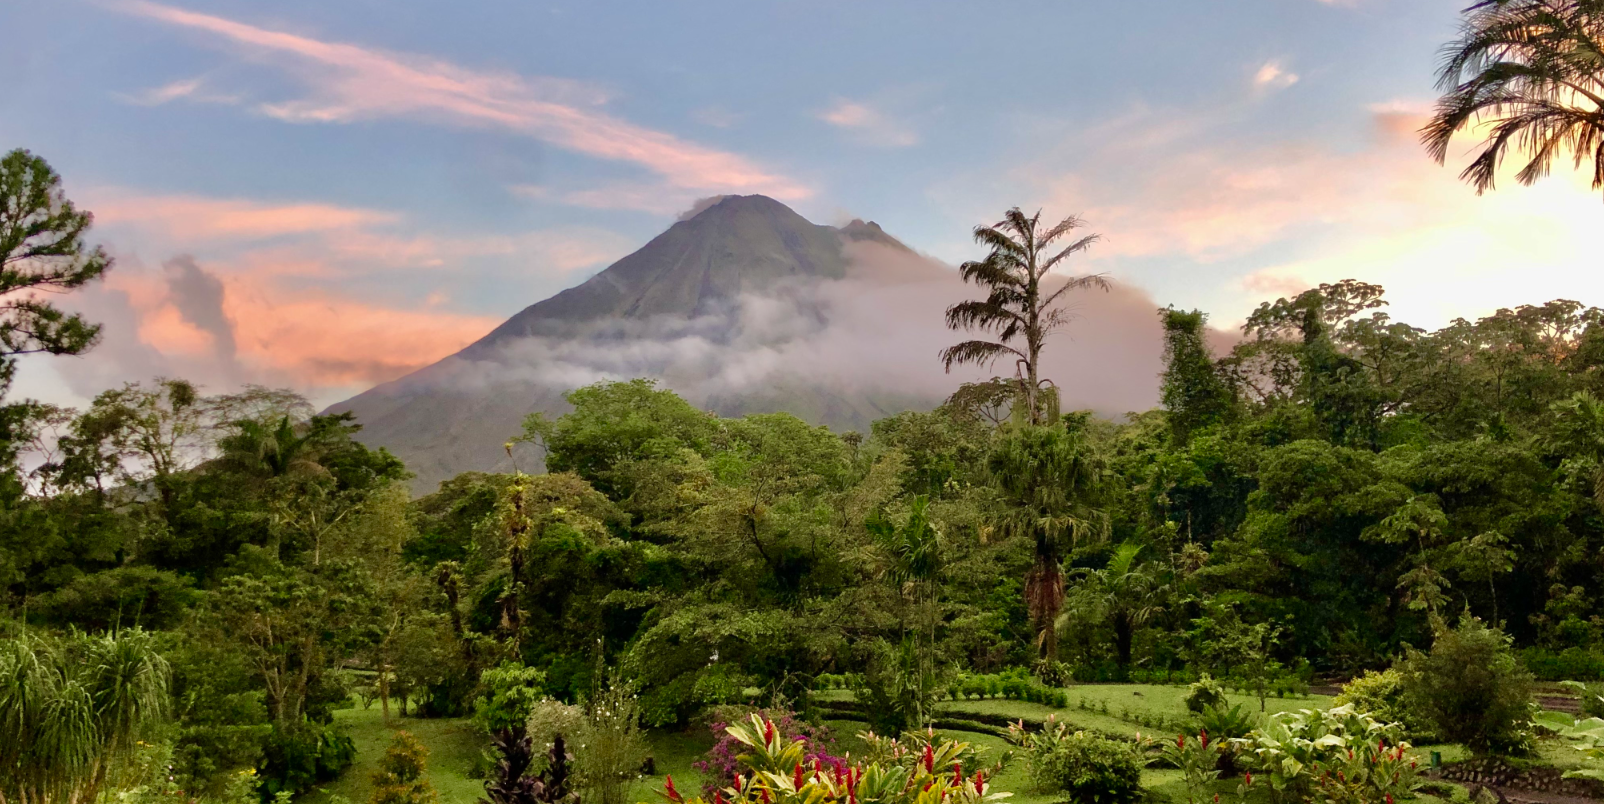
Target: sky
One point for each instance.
(327, 195)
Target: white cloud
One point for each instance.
(869, 125)
(1272, 75)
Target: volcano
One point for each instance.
(718, 307)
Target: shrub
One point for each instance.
(549, 718)
(1204, 693)
(1571, 663)
(506, 695)
(295, 759)
(1472, 689)
(1085, 766)
(1382, 695)
(401, 778)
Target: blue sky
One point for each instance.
(368, 186)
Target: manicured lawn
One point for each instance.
(454, 746)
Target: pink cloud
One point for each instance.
(191, 219)
(348, 82)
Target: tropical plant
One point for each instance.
(1018, 308)
(773, 772)
(1587, 734)
(1050, 484)
(1297, 751)
(1198, 759)
(1126, 594)
(508, 693)
(72, 711)
(1204, 693)
(1530, 69)
(511, 781)
(611, 746)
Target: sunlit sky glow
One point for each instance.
(365, 187)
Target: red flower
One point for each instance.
(1203, 737)
(1180, 741)
(718, 797)
(1247, 779)
(796, 776)
(930, 759)
(766, 799)
(1389, 798)
(768, 730)
(980, 782)
(668, 786)
(738, 779)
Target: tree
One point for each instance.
(42, 251)
(1193, 391)
(1018, 309)
(1532, 69)
(1049, 483)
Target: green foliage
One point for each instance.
(508, 694)
(1193, 391)
(296, 758)
(1472, 689)
(42, 251)
(898, 688)
(1205, 693)
(74, 710)
(1081, 765)
(1225, 724)
(401, 777)
(1381, 695)
(1296, 752)
(1586, 734)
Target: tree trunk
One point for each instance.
(1123, 635)
(384, 691)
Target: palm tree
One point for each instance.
(71, 713)
(1126, 594)
(1017, 309)
(1049, 484)
(1534, 69)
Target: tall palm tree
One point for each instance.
(1018, 310)
(71, 712)
(1534, 69)
(1049, 483)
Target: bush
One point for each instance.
(402, 775)
(1382, 696)
(549, 718)
(506, 695)
(719, 765)
(1574, 664)
(296, 759)
(1085, 766)
(1472, 689)
(1204, 693)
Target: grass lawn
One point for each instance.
(454, 745)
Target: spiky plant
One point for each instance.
(71, 712)
(1021, 308)
(1534, 71)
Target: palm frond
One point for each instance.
(982, 353)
